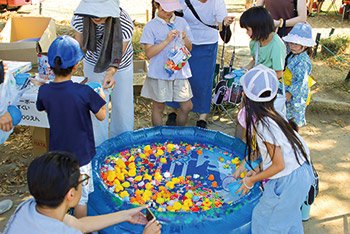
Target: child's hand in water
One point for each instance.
(246, 185)
(171, 35)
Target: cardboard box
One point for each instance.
(40, 138)
(140, 74)
(24, 37)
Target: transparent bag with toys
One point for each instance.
(177, 57)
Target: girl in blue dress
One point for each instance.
(298, 65)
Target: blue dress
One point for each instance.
(300, 66)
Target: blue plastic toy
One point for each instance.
(15, 113)
(94, 86)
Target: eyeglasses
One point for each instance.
(84, 180)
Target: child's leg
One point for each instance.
(157, 113)
(185, 108)
(80, 211)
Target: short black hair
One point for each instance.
(51, 175)
(61, 71)
(260, 20)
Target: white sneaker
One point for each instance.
(5, 205)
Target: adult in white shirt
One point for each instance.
(55, 182)
(204, 51)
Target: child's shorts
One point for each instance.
(89, 188)
(167, 90)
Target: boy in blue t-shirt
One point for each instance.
(68, 106)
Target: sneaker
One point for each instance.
(201, 123)
(5, 205)
(171, 119)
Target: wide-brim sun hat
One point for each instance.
(259, 80)
(98, 8)
(170, 5)
(300, 34)
(68, 49)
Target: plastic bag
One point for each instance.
(10, 94)
(177, 57)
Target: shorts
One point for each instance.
(167, 90)
(89, 188)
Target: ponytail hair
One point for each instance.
(155, 6)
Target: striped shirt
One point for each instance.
(127, 30)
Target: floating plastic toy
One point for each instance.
(179, 171)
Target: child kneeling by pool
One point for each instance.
(68, 106)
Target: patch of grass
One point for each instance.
(138, 48)
(338, 44)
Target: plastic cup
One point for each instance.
(94, 86)
(21, 78)
(15, 113)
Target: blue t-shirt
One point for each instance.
(68, 107)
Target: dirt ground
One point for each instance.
(326, 133)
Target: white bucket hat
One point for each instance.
(301, 34)
(259, 80)
(98, 8)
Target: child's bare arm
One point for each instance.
(153, 50)
(101, 114)
(250, 65)
(188, 43)
(240, 169)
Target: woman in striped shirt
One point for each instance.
(118, 74)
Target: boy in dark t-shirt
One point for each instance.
(68, 106)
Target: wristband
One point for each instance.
(281, 23)
(247, 185)
(284, 24)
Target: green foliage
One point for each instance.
(338, 44)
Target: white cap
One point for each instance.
(99, 8)
(170, 5)
(259, 80)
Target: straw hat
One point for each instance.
(98, 8)
(301, 34)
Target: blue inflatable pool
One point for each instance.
(232, 217)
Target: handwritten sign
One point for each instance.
(30, 115)
(27, 104)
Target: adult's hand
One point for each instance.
(6, 122)
(134, 216)
(228, 20)
(153, 227)
(108, 81)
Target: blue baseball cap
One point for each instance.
(68, 49)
